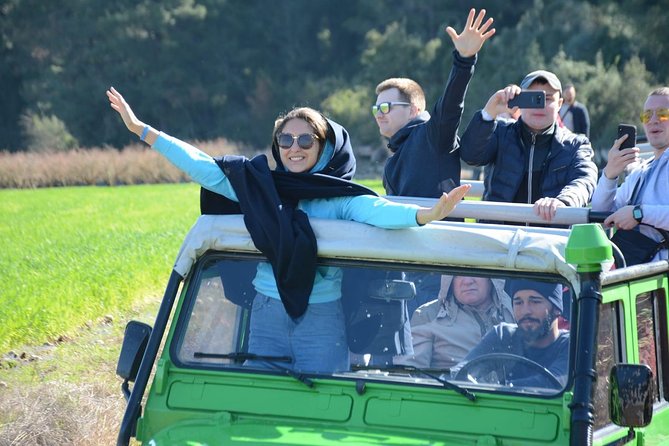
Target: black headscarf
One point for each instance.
(268, 199)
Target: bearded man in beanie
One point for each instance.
(535, 336)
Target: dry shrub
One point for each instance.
(60, 414)
(135, 164)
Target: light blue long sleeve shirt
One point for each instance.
(654, 196)
(375, 211)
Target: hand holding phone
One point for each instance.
(528, 99)
(630, 131)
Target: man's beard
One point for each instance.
(530, 335)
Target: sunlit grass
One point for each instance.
(375, 185)
(69, 255)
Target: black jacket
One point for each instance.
(425, 151)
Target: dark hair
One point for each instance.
(316, 120)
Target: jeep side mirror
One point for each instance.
(392, 289)
(135, 339)
(631, 391)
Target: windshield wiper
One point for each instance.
(271, 360)
(427, 372)
(301, 377)
(242, 356)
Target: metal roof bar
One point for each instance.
(510, 212)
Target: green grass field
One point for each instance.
(71, 255)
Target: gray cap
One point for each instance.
(549, 290)
(551, 78)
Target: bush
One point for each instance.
(46, 133)
(351, 108)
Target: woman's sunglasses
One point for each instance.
(305, 140)
(384, 107)
(661, 113)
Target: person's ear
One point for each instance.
(556, 312)
(415, 111)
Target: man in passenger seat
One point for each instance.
(445, 329)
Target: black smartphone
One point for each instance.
(528, 99)
(630, 131)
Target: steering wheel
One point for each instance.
(494, 368)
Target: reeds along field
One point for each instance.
(134, 164)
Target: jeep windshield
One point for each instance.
(395, 322)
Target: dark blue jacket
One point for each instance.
(425, 151)
(567, 174)
(581, 118)
(504, 338)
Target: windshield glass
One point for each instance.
(475, 329)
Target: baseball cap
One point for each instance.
(551, 78)
(550, 290)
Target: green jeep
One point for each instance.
(205, 389)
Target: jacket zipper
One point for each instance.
(529, 169)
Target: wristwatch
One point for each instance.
(637, 213)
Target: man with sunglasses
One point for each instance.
(424, 160)
(644, 196)
(424, 146)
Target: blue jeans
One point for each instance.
(316, 341)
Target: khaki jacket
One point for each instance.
(443, 331)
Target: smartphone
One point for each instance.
(630, 131)
(528, 99)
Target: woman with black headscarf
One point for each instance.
(297, 311)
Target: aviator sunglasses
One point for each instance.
(661, 113)
(305, 140)
(384, 107)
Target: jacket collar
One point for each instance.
(402, 134)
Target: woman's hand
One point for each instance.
(444, 206)
(117, 102)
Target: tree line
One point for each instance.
(204, 69)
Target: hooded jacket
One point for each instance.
(425, 160)
(444, 331)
